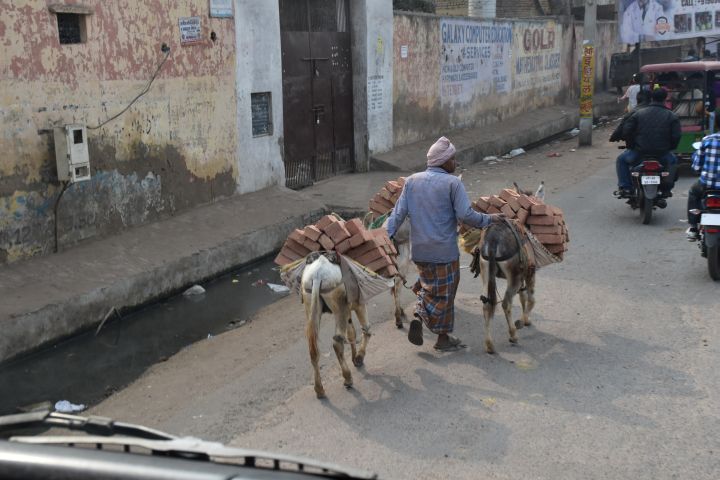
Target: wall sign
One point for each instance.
(404, 51)
(190, 30)
(587, 82)
(474, 59)
(221, 8)
(261, 110)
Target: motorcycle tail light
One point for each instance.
(635, 174)
(713, 202)
(712, 230)
(652, 166)
(695, 211)
(665, 174)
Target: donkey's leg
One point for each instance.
(311, 332)
(514, 281)
(530, 295)
(341, 320)
(351, 336)
(399, 312)
(361, 313)
(488, 307)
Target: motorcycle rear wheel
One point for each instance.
(646, 208)
(713, 258)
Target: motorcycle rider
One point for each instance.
(706, 160)
(653, 131)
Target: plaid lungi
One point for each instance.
(436, 288)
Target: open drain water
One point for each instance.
(87, 368)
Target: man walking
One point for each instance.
(706, 160)
(436, 201)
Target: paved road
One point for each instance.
(616, 379)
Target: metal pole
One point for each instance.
(587, 74)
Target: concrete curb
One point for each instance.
(28, 332)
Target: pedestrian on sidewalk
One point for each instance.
(435, 200)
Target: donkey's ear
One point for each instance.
(540, 193)
(517, 188)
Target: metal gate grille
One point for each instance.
(317, 90)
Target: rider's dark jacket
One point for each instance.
(617, 134)
(654, 130)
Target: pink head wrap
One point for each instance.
(440, 152)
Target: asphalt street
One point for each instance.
(615, 379)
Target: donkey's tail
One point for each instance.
(313, 323)
(492, 271)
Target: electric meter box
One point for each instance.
(71, 153)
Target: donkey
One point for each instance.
(404, 264)
(503, 254)
(323, 291)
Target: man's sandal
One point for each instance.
(453, 344)
(415, 334)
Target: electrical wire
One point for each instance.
(145, 90)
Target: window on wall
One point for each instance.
(71, 28)
(261, 109)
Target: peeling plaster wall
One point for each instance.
(174, 149)
(259, 69)
(421, 112)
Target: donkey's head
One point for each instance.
(539, 193)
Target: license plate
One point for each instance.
(712, 219)
(650, 180)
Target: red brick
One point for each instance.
(379, 208)
(286, 252)
(551, 229)
(326, 243)
(542, 220)
(343, 246)
(509, 212)
(524, 202)
(312, 246)
(387, 203)
(548, 239)
(337, 232)
(508, 194)
(312, 232)
(514, 204)
(393, 186)
(483, 203)
(298, 235)
(386, 194)
(326, 221)
(557, 248)
(493, 209)
(382, 262)
(371, 256)
(354, 226)
(364, 248)
(522, 216)
(282, 260)
(556, 211)
(356, 240)
(396, 197)
(296, 247)
(391, 271)
(541, 210)
(497, 202)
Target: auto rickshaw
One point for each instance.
(693, 94)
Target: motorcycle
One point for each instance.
(709, 231)
(646, 180)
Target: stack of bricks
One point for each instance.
(385, 199)
(370, 248)
(546, 222)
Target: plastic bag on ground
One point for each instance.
(63, 406)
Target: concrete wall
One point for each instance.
(175, 148)
(435, 90)
(372, 47)
(259, 69)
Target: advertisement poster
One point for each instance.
(537, 57)
(657, 20)
(221, 8)
(475, 59)
(190, 30)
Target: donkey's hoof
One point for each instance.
(359, 361)
(519, 324)
(489, 347)
(513, 340)
(320, 394)
(528, 323)
(399, 324)
(348, 386)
